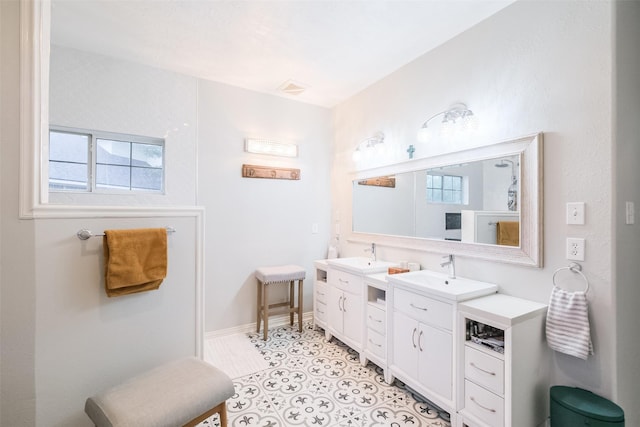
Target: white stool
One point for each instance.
(274, 275)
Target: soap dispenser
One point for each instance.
(333, 250)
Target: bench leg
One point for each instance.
(220, 409)
(259, 304)
(291, 300)
(299, 306)
(265, 309)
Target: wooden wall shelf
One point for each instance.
(268, 172)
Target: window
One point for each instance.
(95, 161)
(444, 189)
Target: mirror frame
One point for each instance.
(529, 253)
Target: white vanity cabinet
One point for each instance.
(424, 348)
(502, 386)
(345, 307)
(376, 334)
(320, 294)
(422, 344)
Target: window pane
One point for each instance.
(113, 152)
(68, 147)
(146, 179)
(437, 181)
(149, 155)
(457, 197)
(447, 196)
(437, 195)
(67, 176)
(447, 182)
(111, 176)
(429, 182)
(457, 183)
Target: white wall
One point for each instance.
(17, 352)
(85, 341)
(534, 66)
(90, 91)
(626, 188)
(258, 222)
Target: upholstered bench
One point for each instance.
(279, 274)
(181, 393)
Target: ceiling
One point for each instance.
(333, 48)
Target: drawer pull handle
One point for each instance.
(483, 370)
(420, 340)
(339, 306)
(344, 281)
(377, 345)
(320, 293)
(419, 308)
(320, 311)
(493, 411)
(375, 320)
(344, 300)
(413, 338)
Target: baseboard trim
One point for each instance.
(274, 321)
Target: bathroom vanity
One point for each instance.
(424, 318)
(477, 354)
(344, 295)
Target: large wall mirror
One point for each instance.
(484, 202)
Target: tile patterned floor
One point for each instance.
(314, 382)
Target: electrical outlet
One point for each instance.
(575, 249)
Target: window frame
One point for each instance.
(94, 136)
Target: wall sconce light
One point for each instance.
(458, 116)
(270, 147)
(368, 145)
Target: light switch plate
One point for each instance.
(575, 213)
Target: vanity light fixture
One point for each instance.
(458, 116)
(368, 145)
(273, 148)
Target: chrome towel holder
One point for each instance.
(574, 267)
(85, 234)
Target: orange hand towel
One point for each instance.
(135, 260)
(508, 233)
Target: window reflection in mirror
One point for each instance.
(474, 202)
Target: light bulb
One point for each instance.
(469, 121)
(424, 134)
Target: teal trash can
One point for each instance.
(575, 407)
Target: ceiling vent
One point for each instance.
(292, 88)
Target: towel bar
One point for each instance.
(85, 234)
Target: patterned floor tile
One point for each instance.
(314, 382)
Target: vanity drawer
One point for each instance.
(321, 311)
(376, 319)
(376, 343)
(345, 281)
(424, 309)
(485, 405)
(484, 369)
(322, 292)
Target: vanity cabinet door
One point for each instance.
(436, 364)
(352, 316)
(405, 344)
(336, 298)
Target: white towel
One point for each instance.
(568, 328)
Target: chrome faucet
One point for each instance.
(450, 261)
(373, 251)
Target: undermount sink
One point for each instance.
(440, 285)
(361, 265)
